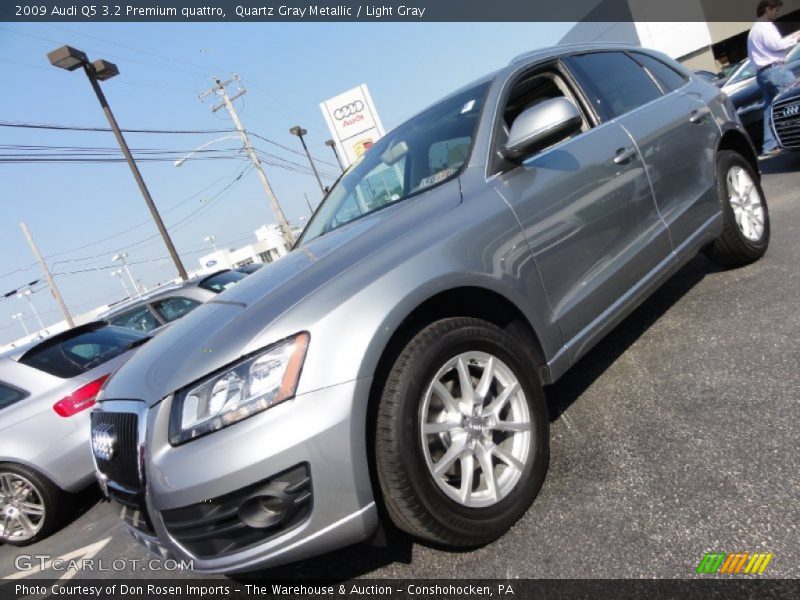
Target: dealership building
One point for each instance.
(696, 42)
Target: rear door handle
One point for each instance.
(624, 155)
(698, 115)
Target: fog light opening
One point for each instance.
(263, 511)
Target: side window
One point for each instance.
(617, 82)
(9, 395)
(138, 319)
(668, 78)
(170, 309)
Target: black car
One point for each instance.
(747, 98)
(786, 117)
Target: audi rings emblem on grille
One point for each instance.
(348, 110)
(791, 111)
(104, 441)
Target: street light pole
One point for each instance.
(27, 295)
(300, 132)
(18, 317)
(100, 70)
(332, 145)
(121, 257)
(210, 238)
(118, 273)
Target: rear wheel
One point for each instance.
(462, 438)
(29, 505)
(746, 230)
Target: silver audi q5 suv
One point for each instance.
(396, 357)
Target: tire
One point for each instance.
(455, 509)
(36, 490)
(745, 229)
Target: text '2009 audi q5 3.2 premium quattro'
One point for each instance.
(396, 357)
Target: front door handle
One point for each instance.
(698, 115)
(624, 155)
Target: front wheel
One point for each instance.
(462, 434)
(745, 218)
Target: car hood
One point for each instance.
(228, 327)
(791, 92)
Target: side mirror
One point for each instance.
(542, 125)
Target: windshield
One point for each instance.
(744, 72)
(418, 155)
(70, 356)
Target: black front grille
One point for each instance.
(123, 467)
(786, 118)
(218, 526)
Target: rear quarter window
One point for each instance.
(668, 78)
(10, 395)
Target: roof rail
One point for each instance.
(549, 50)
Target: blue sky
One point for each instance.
(80, 214)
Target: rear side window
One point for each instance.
(668, 78)
(617, 83)
(170, 309)
(221, 281)
(73, 356)
(138, 319)
(10, 395)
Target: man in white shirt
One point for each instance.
(767, 51)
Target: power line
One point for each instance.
(141, 51)
(117, 56)
(25, 125)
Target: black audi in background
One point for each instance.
(786, 117)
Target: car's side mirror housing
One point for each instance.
(541, 125)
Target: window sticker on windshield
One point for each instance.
(436, 178)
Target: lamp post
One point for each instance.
(71, 59)
(18, 317)
(118, 273)
(27, 295)
(121, 257)
(300, 132)
(332, 145)
(210, 238)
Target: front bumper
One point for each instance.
(322, 430)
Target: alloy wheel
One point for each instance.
(745, 200)
(476, 430)
(22, 508)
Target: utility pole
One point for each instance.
(47, 276)
(310, 210)
(27, 295)
(227, 103)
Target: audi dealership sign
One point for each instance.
(353, 122)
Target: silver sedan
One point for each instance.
(45, 391)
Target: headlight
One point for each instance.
(245, 388)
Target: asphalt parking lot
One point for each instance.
(676, 436)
